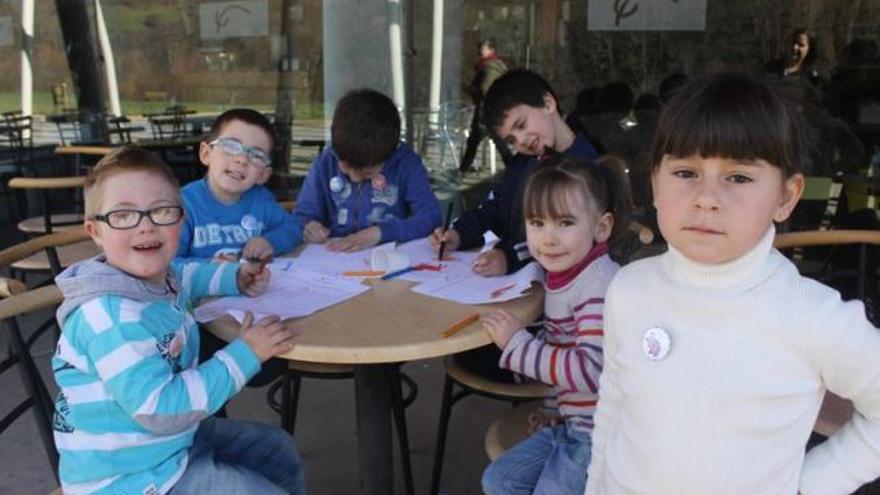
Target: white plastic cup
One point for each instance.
(388, 260)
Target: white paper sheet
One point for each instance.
(292, 292)
(470, 288)
(317, 258)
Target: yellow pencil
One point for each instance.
(455, 327)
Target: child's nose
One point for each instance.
(708, 196)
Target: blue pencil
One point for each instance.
(398, 272)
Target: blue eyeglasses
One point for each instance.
(234, 147)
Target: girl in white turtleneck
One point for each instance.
(718, 353)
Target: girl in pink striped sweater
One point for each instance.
(574, 211)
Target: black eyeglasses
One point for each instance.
(129, 219)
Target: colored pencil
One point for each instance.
(445, 228)
(364, 273)
(455, 327)
(398, 272)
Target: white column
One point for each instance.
(397, 82)
(27, 51)
(436, 63)
(109, 63)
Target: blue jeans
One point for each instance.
(230, 456)
(553, 461)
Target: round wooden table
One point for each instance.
(385, 325)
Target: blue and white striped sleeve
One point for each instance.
(139, 375)
(204, 278)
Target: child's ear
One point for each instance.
(91, 227)
(549, 103)
(204, 151)
(792, 189)
(603, 227)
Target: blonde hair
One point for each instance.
(124, 159)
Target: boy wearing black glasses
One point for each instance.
(133, 412)
(229, 213)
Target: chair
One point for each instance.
(49, 253)
(470, 383)
(37, 397)
(509, 429)
(46, 187)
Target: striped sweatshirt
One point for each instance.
(567, 352)
(132, 389)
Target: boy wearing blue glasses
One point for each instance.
(134, 410)
(368, 187)
(229, 213)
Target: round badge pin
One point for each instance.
(249, 222)
(336, 184)
(656, 343)
(379, 182)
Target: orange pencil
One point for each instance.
(365, 273)
(455, 327)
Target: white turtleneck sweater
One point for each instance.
(729, 409)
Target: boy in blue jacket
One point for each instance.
(520, 108)
(229, 213)
(367, 188)
(133, 412)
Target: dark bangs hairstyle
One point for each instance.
(246, 115)
(733, 116)
(514, 87)
(365, 129)
(602, 184)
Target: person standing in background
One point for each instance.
(489, 68)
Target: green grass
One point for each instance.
(11, 100)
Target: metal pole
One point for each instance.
(397, 81)
(436, 64)
(27, 51)
(109, 62)
(410, 70)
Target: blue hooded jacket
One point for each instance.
(399, 200)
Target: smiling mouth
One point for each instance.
(148, 246)
(235, 175)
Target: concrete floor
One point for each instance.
(325, 434)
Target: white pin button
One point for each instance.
(656, 343)
(336, 184)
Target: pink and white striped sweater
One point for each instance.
(567, 353)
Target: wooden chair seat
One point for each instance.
(60, 221)
(510, 391)
(67, 255)
(508, 430)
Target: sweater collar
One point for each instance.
(741, 273)
(558, 280)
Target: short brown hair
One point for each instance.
(365, 129)
(603, 183)
(248, 116)
(119, 161)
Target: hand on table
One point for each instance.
(500, 325)
(258, 248)
(315, 233)
(268, 337)
(491, 263)
(252, 278)
(362, 239)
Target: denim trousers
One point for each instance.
(231, 456)
(552, 461)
